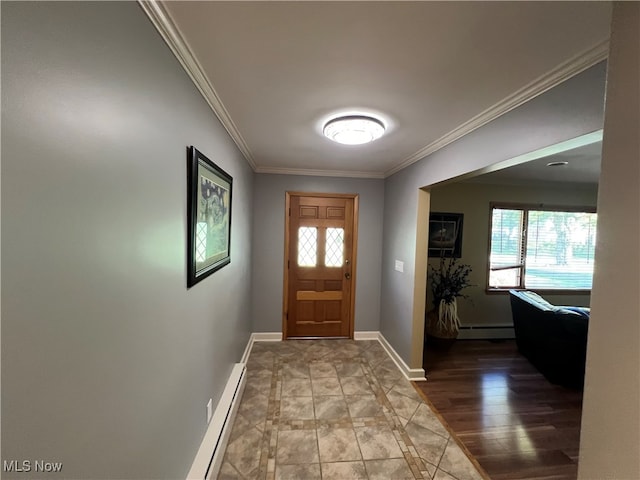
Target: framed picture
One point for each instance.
(209, 216)
(445, 234)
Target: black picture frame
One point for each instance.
(209, 194)
(445, 234)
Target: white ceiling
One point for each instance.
(582, 168)
(275, 71)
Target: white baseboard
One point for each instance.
(208, 460)
(366, 335)
(259, 337)
(247, 349)
(267, 337)
(482, 332)
(412, 374)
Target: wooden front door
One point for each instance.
(320, 265)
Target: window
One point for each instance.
(542, 248)
(334, 247)
(307, 246)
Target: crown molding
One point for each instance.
(171, 34)
(545, 82)
(318, 173)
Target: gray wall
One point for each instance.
(610, 434)
(107, 359)
(473, 199)
(268, 245)
(567, 111)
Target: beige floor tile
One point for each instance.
(330, 407)
(349, 369)
(428, 469)
(338, 444)
(244, 452)
(260, 376)
(262, 359)
(283, 350)
(296, 387)
(322, 370)
(297, 446)
(326, 386)
(344, 471)
(296, 408)
(355, 386)
(405, 388)
(403, 420)
(391, 469)
(375, 355)
(329, 413)
(260, 387)
(457, 464)
(425, 417)
(391, 375)
(316, 352)
(298, 472)
(363, 406)
(348, 351)
(404, 406)
(377, 442)
(389, 364)
(442, 475)
(240, 425)
(429, 445)
(295, 370)
(254, 409)
(227, 472)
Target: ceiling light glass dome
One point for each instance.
(353, 129)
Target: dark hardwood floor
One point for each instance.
(509, 417)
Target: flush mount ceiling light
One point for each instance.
(353, 129)
(557, 164)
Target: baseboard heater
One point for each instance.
(486, 332)
(208, 460)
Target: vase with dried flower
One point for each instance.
(447, 281)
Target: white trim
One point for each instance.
(172, 35)
(318, 173)
(259, 337)
(267, 337)
(375, 335)
(412, 374)
(481, 332)
(247, 349)
(554, 77)
(209, 457)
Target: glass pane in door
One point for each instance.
(307, 246)
(334, 248)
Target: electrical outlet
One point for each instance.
(209, 410)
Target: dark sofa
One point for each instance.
(552, 338)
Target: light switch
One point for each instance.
(399, 266)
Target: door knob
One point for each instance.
(347, 275)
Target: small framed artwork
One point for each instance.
(208, 215)
(445, 235)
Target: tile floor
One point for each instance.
(336, 409)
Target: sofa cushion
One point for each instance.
(534, 299)
(584, 312)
